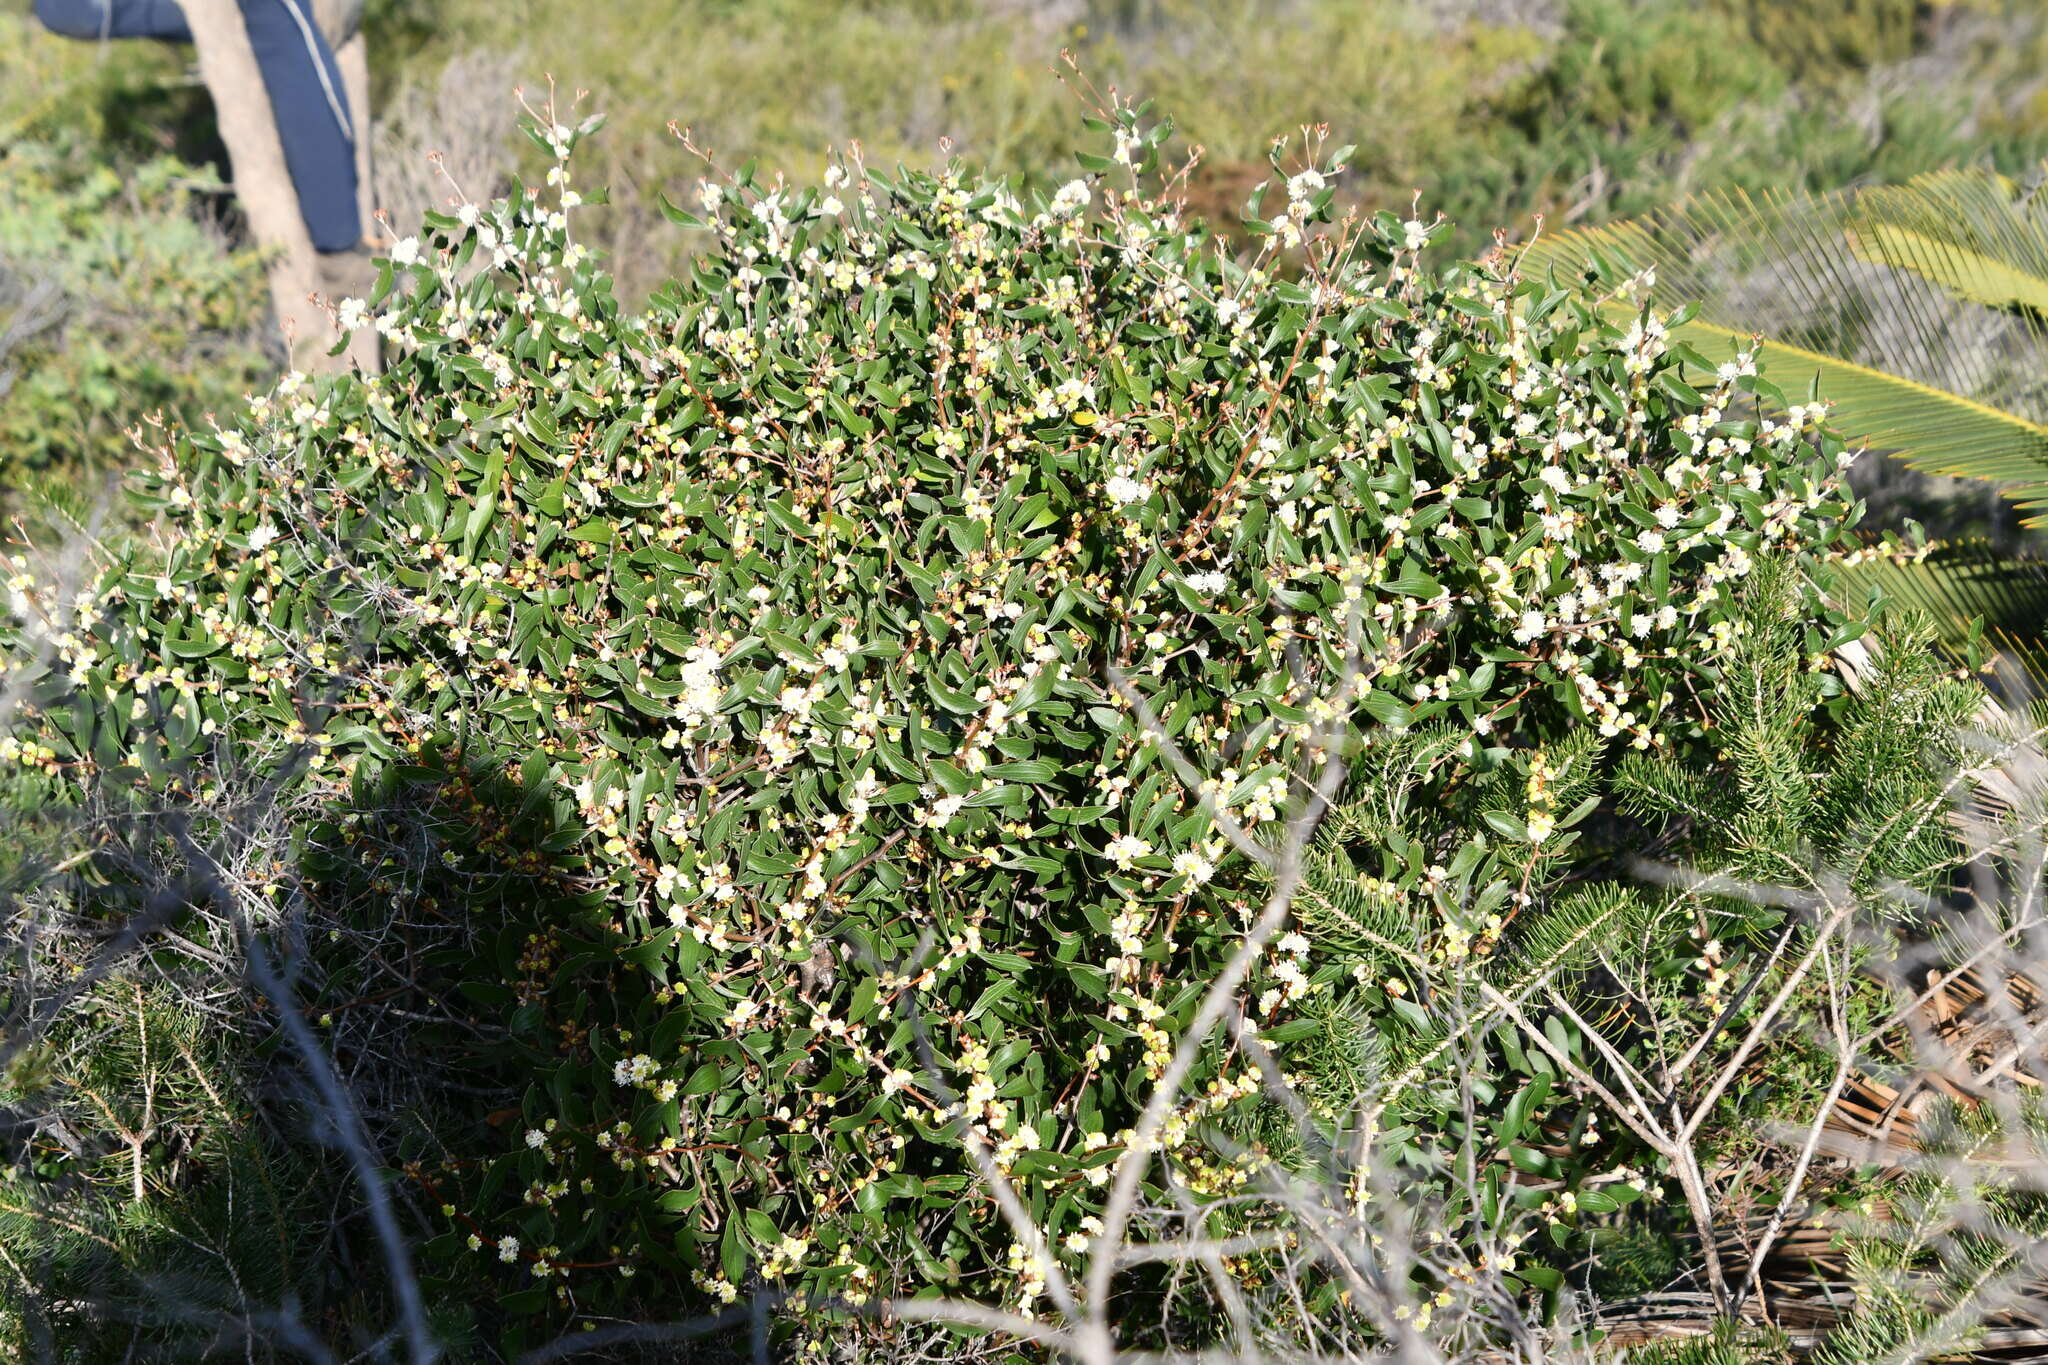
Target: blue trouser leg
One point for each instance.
(313, 119)
(114, 19)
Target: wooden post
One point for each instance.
(353, 57)
(263, 184)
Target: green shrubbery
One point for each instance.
(122, 294)
(758, 656)
(679, 752)
(186, 1216)
(124, 304)
(1575, 109)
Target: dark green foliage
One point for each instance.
(785, 621)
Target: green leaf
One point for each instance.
(1507, 825)
(1024, 770)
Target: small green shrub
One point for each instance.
(788, 611)
(144, 1205)
(125, 304)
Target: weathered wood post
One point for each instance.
(248, 127)
(263, 182)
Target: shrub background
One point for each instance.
(1577, 109)
(442, 689)
(753, 656)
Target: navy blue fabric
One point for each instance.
(317, 152)
(117, 19)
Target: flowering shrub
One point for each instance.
(789, 611)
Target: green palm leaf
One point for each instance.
(1917, 309)
(1975, 234)
(1978, 598)
(1965, 273)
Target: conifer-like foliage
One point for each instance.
(151, 1207)
(1524, 1017)
(1796, 796)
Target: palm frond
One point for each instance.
(1929, 344)
(1975, 595)
(1963, 272)
(1974, 233)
